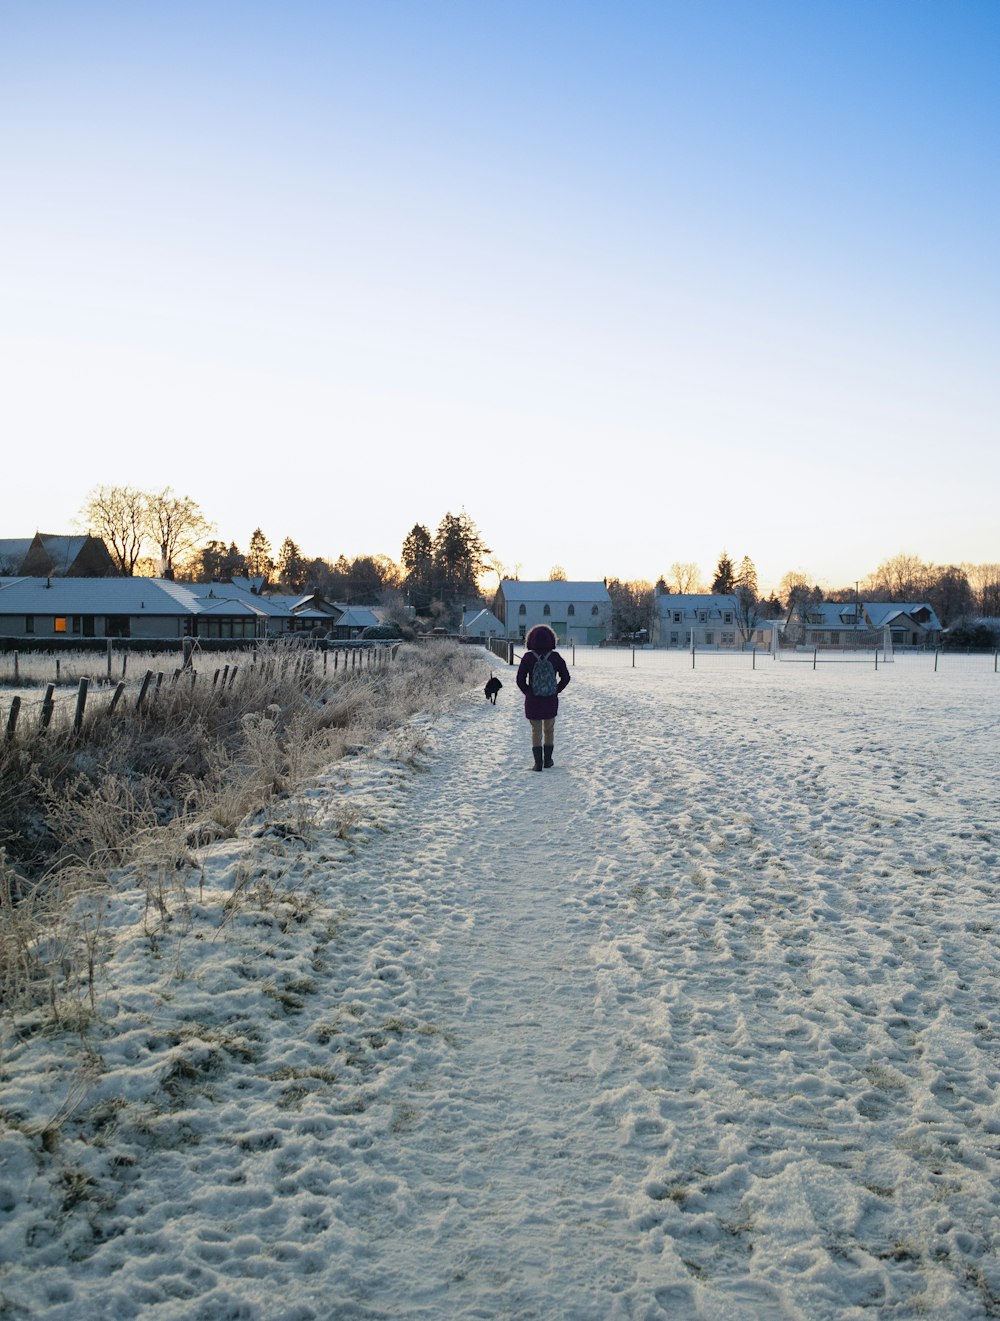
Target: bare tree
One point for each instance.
(176, 525)
(791, 584)
(557, 574)
(902, 578)
(984, 579)
(118, 514)
(685, 577)
(631, 607)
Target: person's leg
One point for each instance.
(537, 736)
(548, 740)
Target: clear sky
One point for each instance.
(632, 283)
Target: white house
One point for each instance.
(695, 619)
(841, 624)
(480, 623)
(575, 611)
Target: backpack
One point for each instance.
(543, 677)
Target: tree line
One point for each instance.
(152, 534)
(161, 533)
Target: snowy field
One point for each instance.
(702, 1023)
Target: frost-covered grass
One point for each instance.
(146, 785)
(701, 1023)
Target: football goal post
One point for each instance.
(887, 656)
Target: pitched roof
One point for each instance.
(128, 596)
(13, 551)
(688, 601)
(881, 613)
(555, 590)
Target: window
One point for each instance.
(834, 637)
(29, 623)
(709, 638)
(59, 624)
(594, 610)
(674, 640)
(76, 623)
(677, 616)
(702, 616)
(546, 610)
(571, 610)
(729, 639)
(522, 609)
(727, 616)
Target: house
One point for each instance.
(912, 624)
(696, 619)
(575, 611)
(352, 621)
(863, 624)
(156, 609)
(827, 624)
(45, 555)
(480, 623)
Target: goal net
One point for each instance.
(887, 656)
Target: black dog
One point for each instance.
(493, 686)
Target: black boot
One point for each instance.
(537, 754)
(547, 752)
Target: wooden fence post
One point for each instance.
(48, 706)
(81, 704)
(147, 679)
(109, 659)
(15, 708)
(232, 677)
(16, 670)
(116, 697)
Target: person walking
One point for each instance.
(541, 676)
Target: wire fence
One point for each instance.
(57, 691)
(714, 658)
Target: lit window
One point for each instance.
(59, 623)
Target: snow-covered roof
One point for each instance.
(832, 615)
(13, 550)
(355, 616)
(128, 596)
(62, 550)
(481, 621)
(688, 601)
(881, 613)
(515, 590)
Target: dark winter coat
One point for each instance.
(543, 640)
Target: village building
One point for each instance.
(156, 609)
(481, 623)
(575, 611)
(863, 624)
(47, 556)
(697, 619)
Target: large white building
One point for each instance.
(575, 611)
(695, 619)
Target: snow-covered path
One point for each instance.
(701, 1023)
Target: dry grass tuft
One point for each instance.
(144, 786)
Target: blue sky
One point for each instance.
(630, 283)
